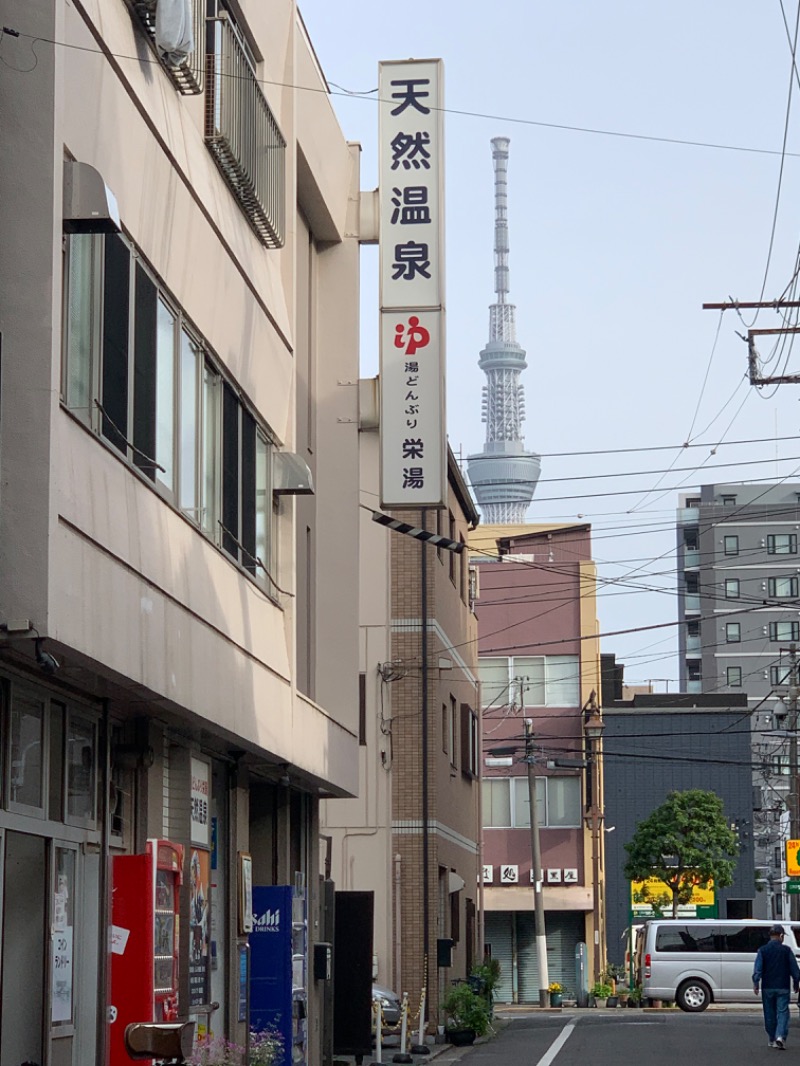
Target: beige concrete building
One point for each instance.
(412, 835)
(178, 248)
(540, 665)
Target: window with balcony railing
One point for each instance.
(185, 65)
(242, 134)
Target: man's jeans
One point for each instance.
(775, 1003)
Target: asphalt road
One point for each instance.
(630, 1038)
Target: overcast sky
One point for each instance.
(616, 241)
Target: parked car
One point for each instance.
(701, 961)
(389, 1002)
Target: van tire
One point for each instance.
(693, 995)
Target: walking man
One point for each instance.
(776, 970)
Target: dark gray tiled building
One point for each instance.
(655, 744)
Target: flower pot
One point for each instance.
(461, 1037)
(598, 1002)
(612, 1001)
(556, 999)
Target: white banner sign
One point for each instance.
(413, 440)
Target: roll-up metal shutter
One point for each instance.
(563, 930)
(497, 936)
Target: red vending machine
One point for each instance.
(145, 937)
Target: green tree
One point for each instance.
(686, 842)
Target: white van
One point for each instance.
(702, 961)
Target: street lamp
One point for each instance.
(593, 726)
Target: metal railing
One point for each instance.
(187, 78)
(243, 136)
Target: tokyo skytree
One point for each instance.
(504, 474)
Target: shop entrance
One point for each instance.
(23, 865)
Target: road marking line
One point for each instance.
(557, 1045)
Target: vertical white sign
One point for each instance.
(411, 164)
(201, 803)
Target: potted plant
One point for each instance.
(600, 992)
(467, 1014)
(489, 974)
(635, 997)
(556, 994)
(265, 1049)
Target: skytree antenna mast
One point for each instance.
(504, 474)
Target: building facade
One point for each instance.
(738, 574)
(656, 744)
(540, 662)
(412, 834)
(178, 631)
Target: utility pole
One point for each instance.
(794, 770)
(536, 857)
(593, 729)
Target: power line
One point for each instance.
(372, 97)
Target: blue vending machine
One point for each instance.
(278, 954)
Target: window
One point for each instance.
(506, 802)
(692, 583)
(782, 587)
(780, 675)
(731, 545)
(733, 677)
(241, 132)
(686, 938)
(744, 938)
(784, 631)
(27, 762)
(694, 672)
(728, 501)
(733, 632)
(693, 501)
(452, 555)
(533, 680)
(496, 802)
(469, 741)
(493, 674)
(693, 628)
(136, 373)
(445, 727)
(564, 801)
(782, 544)
(691, 540)
(362, 710)
(452, 731)
(731, 588)
(780, 764)
(463, 560)
(81, 773)
(521, 805)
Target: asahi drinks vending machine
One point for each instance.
(144, 940)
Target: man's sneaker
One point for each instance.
(780, 1043)
(772, 1044)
